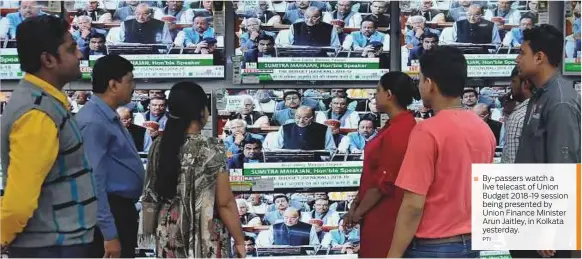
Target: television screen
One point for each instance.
(311, 40)
(314, 217)
(488, 32)
(572, 54)
(289, 140)
(163, 39)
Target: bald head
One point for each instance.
(303, 116)
(142, 13)
(482, 110)
(125, 116)
(474, 13)
(312, 16)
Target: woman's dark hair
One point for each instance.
(186, 103)
(402, 86)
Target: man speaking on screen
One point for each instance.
(313, 32)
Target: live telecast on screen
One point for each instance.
(312, 40)
(314, 217)
(490, 33)
(162, 39)
(572, 55)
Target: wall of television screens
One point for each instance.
(163, 39)
(488, 32)
(571, 64)
(312, 40)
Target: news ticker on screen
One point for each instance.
(358, 69)
(146, 66)
(526, 207)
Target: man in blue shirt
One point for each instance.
(238, 129)
(117, 167)
(251, 153)
(25, 10)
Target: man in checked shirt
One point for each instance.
(521, 90)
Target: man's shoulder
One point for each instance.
(89, 114)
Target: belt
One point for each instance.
(444, 240)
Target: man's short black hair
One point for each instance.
(279, 197)
(293, 92)
(471, 90)
(447, 67)
(247, 238)
(252, 141)
(429, 35)
(266, 37)
(547, 39)
(366, 118)
(36, 35)
(109, 67)
(94, 35)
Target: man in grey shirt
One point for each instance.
(551, 130)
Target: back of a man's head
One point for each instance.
(547, 39)
(106, 68)
(36, 35)
(446, 66)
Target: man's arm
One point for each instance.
(34, 146)
(407, 222)
(415, 178)
(334, 42)
(563, 136)
(496, 39)
(329, 143)
(96, 141)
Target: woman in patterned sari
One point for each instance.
(192, 211)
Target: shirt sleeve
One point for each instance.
(33, 150)
(96, 141)
(417, 171)
(563, 131)
(496, 38)
(329, 143)
(313, 238)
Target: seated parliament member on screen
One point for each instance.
(291, 232)
(313, 32)
(355, 142)
(238, 134)
(250, 115)
(190, 37)
(359, 40)
(475, 29)
(339, 111)
(144, 29)
(378, 15)
(265, 48)
(251, 153)
(304, 133)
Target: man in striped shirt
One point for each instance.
(521, 90)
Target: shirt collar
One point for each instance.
(540, 91)
(522, 105)
(400, 117)
(109, 113)
(48, 88)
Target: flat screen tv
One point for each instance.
(311, 41)
(162, 39)
(488, 33)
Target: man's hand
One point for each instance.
(153, 133)
(238, 138)
(254, 35)
(112, 249)
(546, 253)
(85, 33)
(240, 250)
(419, 32)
